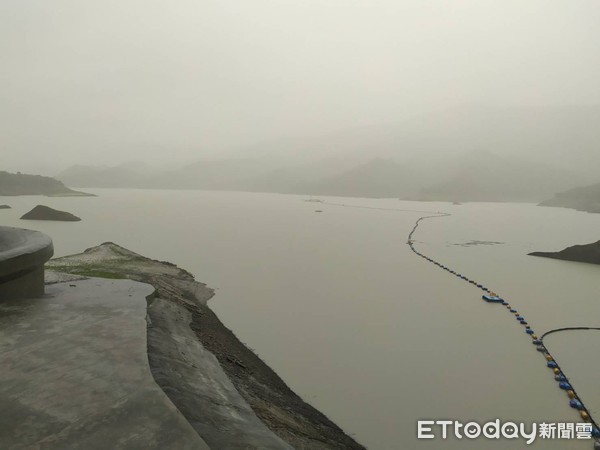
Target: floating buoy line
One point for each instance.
(490, 296)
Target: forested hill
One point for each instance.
(23, 184)
(586, 198)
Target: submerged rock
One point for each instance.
(587, 253)
(41, 212)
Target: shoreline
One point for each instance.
(272, 402)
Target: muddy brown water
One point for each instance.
(353, 321)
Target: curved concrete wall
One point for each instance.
(23, 254)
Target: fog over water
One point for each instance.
(359, 326)
(214, 121)
(109, 82)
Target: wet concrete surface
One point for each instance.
(229, 395)
(194, 380)
(74, 372)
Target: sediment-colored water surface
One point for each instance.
(339, 306)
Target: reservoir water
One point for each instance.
(373, 336)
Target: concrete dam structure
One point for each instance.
(23, 254)
(96, 363)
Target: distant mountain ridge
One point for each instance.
(23, 184)
(563, 136)
(586, 198)
(124, 175)
(375, 178)
(483, 176)
(473, 176)
(469, 154)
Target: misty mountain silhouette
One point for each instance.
(586, 198)
(525, 154)
(23, 184)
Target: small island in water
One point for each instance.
(41, 212)
(587, 253)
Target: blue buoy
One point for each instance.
(512, 310)
(541, 348)
(529, 331)
(560, 377)
(537, 342)
(564, 385)
(575, 404)
(523, 322)
(595, 432)
(504, 303)
(552, 364)
(519, 317)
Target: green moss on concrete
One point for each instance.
(89, 271)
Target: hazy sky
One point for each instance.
(114, 80)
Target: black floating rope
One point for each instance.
(551, 361)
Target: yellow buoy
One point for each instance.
(549, 358)
(571, 394)
(585, 415)
(534, 336)
(556, 370)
